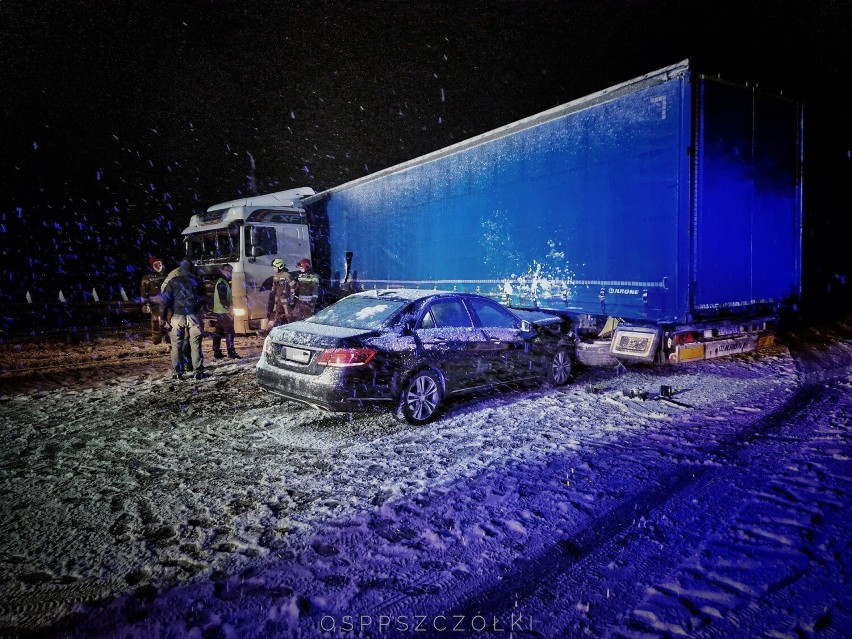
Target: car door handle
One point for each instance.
(436, 340)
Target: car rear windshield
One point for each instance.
(359, 312)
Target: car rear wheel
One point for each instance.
(421, 398)
(560, 367)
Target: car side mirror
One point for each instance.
(256, 251)
(526, 326)
(408, 327)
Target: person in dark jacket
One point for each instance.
(185, 350)
(224, 311)
(185, 297)
(149, 291)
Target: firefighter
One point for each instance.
(149, 289)
(306, 292)
(223, 308)
(281, 300)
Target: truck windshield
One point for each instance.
(218, 245)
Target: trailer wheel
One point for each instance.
(421, 398)
(559, 372)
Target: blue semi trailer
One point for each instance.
(662, 217)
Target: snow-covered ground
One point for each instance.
(134, 505)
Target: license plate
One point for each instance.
(298, 355)
(635, 343)
(630, 344)
(728, 329)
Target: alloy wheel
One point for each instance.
(560, 367)
(422, 398)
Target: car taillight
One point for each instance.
(345, 357)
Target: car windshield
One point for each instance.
(359, 312)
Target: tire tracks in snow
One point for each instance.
(574, 557)
(35, 609)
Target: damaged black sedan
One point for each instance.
(408, 350)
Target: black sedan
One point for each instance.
(407, 350)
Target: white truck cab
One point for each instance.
(249, 234)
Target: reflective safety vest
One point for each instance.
(218, 307)
(307, 287)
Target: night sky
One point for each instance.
(122, 118)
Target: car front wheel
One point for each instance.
(560, 367)
(421, 398)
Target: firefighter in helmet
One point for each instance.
(281, 300)
(306, 291)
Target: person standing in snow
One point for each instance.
(150, 288)
(185, 297)
(280, 296)
(185, 350)
(306, 292)
(224, 311)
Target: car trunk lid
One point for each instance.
(298, 345)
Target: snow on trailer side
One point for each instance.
(576, 209)
(668, 199)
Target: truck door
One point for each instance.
(261, 244)
(452, 344)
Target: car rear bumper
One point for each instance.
(334, 389)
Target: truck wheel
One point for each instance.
(560, 367)
(421, 398)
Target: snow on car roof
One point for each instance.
(407, 294)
